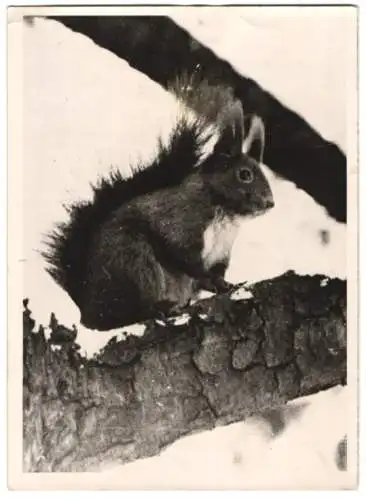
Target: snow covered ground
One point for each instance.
(85, 110)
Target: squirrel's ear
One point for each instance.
(231, 137)
(254, 142)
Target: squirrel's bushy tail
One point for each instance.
(69, 244)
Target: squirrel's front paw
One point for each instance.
(215, 285)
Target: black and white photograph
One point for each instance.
(182, 247)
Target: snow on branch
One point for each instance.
(225, 358)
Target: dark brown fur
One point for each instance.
(138, 247)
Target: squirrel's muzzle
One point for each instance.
(269, 203)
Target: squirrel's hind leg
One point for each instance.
(128, 283)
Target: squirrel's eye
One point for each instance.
(245, 175)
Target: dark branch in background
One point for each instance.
(162, 50)
(232, 359)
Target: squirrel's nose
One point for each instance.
(269, 202)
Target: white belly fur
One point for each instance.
(218, 239)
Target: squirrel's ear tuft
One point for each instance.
(231, 131)
(254, 142)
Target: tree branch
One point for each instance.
(162, 50)
(222, 361)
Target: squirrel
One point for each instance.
(148, 243)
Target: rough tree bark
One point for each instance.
(162, 50)
(222, 361)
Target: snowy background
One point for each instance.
(85, 110)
